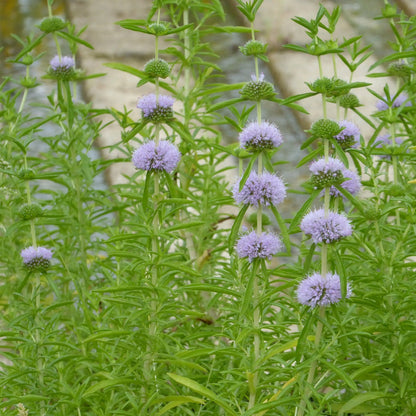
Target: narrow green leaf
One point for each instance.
(341, 271)
(75, 39)
(224, 104)
(185, 225)
(146, 198)
(310, 156)
(126, 68)
(30, 47)
(176, 401)
(296, 220)
(297, 48)
(393, 57)
(107, 383)
(279, 349)
(236, 227)
(247, 172)
(209, 288)
(221, 88)
(193, 385)
(303, 337)
(340, 373)
(360, 398)
(283, 229)
(106, 334)
(171, 185)
(248, 290)
(354, 201)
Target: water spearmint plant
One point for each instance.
(181, 289)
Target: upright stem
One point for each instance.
(394, 160)
(254, 375)
(312, 369)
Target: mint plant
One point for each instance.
(183, 289)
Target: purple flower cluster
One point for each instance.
(327, 173)
(62, 68)
(36, 258)
(322, 166)
(401, 99)
(325, 228)
(260, 136)
(163, 157)
(157, 108)
(262, 189)
(318, 291)
(352, 184)
(349, 136)
(65, 63)
(256, 246)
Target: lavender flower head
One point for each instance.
(260, 136)
(315, 290)
(156, 109)
(65, 62)
(254, 77)
(36, 258)
(326, 172)
(163, 157)
(256, 246)
(325, 229)
(262, 189)
(385, 140)
(352, 184)
(349, 136)
(62, 67)
(397, 102)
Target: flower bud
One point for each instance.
(253, 48)
(158, 29)
(28, 82)
(322, 85)
(257, 90)
(157, 68)
(339, 87)
(400, 69)
(51, 24)
(27, 60)
(349, 101)
(389, 11)
(26, 174)
(325, 129)
(30, 211)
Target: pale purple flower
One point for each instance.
(352, 184)
(349, 136)
(327, 173)
(314, 290)
(36, 258)
(385, 140)
(65, 63)
(322, 166)
(254, 77)
(397, 102)
(259, 136)
(262, 189)
(256, 246)
(327, 228)
(163, 157)
(156, 108)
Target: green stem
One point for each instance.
(321, 72)
(254, 375)
(312, 369)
